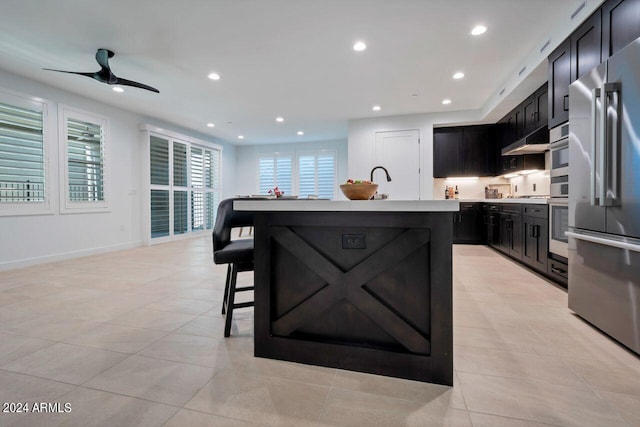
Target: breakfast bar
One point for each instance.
(356, 285)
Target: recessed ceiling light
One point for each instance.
(376, 108)
(240, 136)
(118, 89)
(300, 132)
(210, 125)
(214, 76)
(478, 29)
(359, 46)
(446, 101)
(458, 75)
(279, 119)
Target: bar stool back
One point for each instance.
(237, 254)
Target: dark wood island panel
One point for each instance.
(362, 291)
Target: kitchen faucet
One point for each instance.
(385, 171)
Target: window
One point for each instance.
(82, 161)
(275, 170)
(317, 174)
(184, 188)
(23, 156)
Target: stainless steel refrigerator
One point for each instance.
(604, 196)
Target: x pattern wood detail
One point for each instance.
(349, 285)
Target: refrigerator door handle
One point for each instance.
(595, 94)
(602, 241)
(610, 180)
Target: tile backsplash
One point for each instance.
(535, 184)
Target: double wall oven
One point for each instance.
(559, 201)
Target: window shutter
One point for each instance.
(266, 172)
(180, 177)
(85, 161)
(326, 175)
(159, 159)
(197, 172)
(21, 155)
(307, 175)
(284, 174)
(159, 213)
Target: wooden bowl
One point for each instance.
(359, 191)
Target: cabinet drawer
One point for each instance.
(537, 211)
(511, 208)
(469, 206)
(558, 271)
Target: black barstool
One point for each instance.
(238, 254)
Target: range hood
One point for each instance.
(536, 142)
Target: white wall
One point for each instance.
(362, 134)
(247, 161)
(26, 240)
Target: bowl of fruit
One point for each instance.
(358, 189)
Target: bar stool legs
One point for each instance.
(229, 304)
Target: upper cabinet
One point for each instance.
(586, 42)
(558, 85)
(534, 111)
(606, 31)
(464, 151)
(620, 25)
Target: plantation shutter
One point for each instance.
(275, 171)
(21, 155)
(85, 161)
(316, 175)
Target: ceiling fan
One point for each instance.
(105, 75)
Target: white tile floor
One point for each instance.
(134, 338)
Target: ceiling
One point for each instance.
(289, 58)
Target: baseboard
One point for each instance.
(27, 262)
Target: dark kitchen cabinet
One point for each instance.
(467, 224)
(558, 271)
(534, 110)
(620, 25)
(510, 229)
(586, 45)
(492, 225)
(558, 84)
(535, 247)
(447, 143)
(511, 164)
(464, 151)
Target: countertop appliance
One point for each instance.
(604, 201)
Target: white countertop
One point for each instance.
(347, 205)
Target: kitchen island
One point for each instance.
(356, 285)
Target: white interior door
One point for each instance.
(399, 152)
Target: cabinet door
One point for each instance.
(519, 122)
(504, 233)
(558, 85)
(586, 45)
(541, 106)
(535, 243)
(620, 25)
(468, 228)
(446, 152)
(477, 151)
(515, 247)
(530, 112)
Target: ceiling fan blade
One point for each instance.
(102, 57)
(72, 72)
(125, 82)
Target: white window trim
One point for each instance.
(147, 131)
(66, 205)
(316, 153)
(26, 101)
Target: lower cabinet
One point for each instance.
(510, 229)
(535, 248)
(467, 224)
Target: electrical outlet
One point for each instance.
(354, 241)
